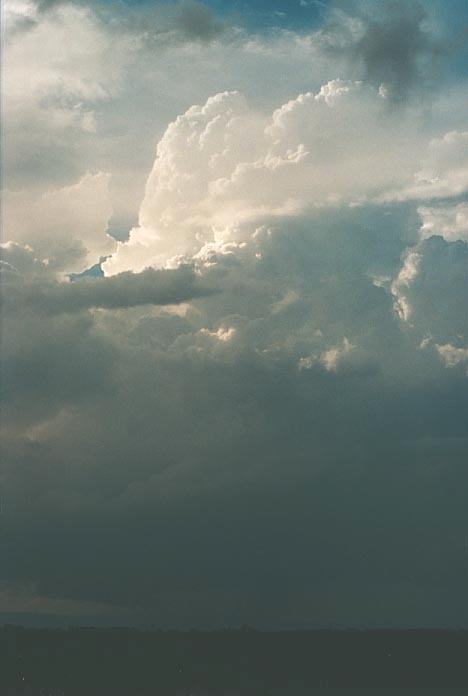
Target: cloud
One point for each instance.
(221, 164)
(392, 46)
(311, 379)
(163, 287)
(196, 21)
(451, 355)
(430, 289)
(66, 226)
(17, 15)
(450, 222)
(345, 358)
(93, 102)
(191, 19)
(54, 353)
(444, 173)
(31, 284)
(232, 447)
(54, 117)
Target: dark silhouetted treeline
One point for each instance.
(78, 661)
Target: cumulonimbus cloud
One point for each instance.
(320, 380)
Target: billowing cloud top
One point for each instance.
(235, 345)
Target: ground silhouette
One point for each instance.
(82, 661)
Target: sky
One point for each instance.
(234, 313)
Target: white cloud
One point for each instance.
(334, 357)
(17, 12)
(347, 358)
(450, 222)
(67, 225)
(58, 74)
(72, 58)
(451, 355)
(407, 275)
(444, 172)
(222, 164)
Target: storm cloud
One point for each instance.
(258, 414)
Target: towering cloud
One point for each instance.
(222, 164)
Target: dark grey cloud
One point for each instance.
(197, 22)
(390, 44)
(30, 285)
(399, 52)
(151, 287)
(53, 352)
(204, 477)
(186, 20)
(277, 519)
(165, 24)
(435, 296)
